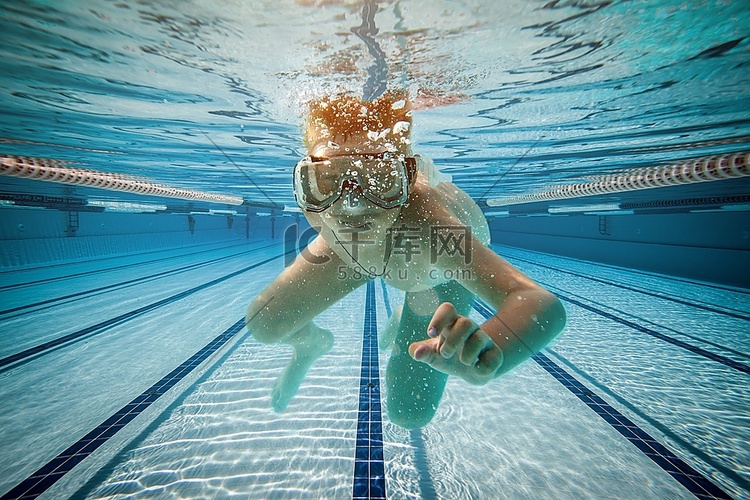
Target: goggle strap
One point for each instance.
(411, 169)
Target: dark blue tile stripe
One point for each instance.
(105, 270)
(386, 301)
(105, 325)
(369, 467)
(121, 284)
(679, 343)
(562, 294)
(421, 461)
(50, 473)
(690, 478)
(677, 279)
(662, 296)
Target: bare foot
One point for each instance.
(286, 386)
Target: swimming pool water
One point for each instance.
(631, 349)
(125, 367)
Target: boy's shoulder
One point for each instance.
(432, 201)
(445, 205)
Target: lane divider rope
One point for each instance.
(44, 169)
(705, 169)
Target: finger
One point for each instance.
(426, 352)
(455, 336)
(444, 316)
(490, 361)
(474, 345)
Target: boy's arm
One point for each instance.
(528, 318)
(311, 284)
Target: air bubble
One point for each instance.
(400, 127)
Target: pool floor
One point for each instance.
(133, 377)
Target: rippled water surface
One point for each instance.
(204, 93)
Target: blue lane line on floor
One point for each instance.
(619, 269)
(737, 365)
(679, 343)
(105, 325)
(661, 296)
(369, 467)
(690, 478)
(106, 269)
(53, 471)
(421, 460)
(121, 284)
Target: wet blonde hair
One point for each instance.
(384, 122)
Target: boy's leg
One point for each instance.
(283, 313)
(387, 335)
(309, 343)
(414, 388)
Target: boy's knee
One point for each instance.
(262, 335)
(258, 328)
(413, 418)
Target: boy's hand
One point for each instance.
(458, 347)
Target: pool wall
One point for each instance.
(708, 246)
(38, 236)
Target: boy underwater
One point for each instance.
(373, 202)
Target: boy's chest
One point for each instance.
(411, 258)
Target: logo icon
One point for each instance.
(450, 240)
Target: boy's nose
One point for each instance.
(352, 195)
(351, 200)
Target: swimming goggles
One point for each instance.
(383, 179)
